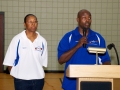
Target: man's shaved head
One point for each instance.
(82, 12)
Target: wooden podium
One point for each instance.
(87, 74)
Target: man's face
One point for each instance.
(31, 24)
(84, 19)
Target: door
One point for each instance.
(1, 40)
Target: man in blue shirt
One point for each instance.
(72, 48)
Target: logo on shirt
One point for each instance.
(38, 48)
(94, 42)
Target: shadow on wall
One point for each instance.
(113, 60)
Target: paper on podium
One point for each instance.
(96, 50)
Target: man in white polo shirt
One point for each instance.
(26, 56)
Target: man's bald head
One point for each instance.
(82, 12)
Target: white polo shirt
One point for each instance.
(27, 58)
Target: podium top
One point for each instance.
(92, 71)
(96, 50)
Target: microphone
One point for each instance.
(84, 34)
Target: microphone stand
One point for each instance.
(110, 47)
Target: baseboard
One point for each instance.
(46, 71)
(54, 71)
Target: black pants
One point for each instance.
(36, 84)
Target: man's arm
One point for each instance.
(67, 55)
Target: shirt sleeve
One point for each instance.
(104, 57)
(63, 45)
(45, 54)
(11, 53)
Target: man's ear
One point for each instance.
(77, 19)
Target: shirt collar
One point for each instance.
(25, 36)
(76, 32)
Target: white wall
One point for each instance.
(56, 17)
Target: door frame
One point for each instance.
(2, 14)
